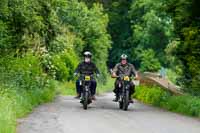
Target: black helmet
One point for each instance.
(87, 54)
(124, 57)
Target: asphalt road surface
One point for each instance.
(66, 115)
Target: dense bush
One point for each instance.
(53, 26)
(186, 104)
(23, 85)
(60, 66)
(90, 25)
(185, 16)
(149, 61)
(151, 95)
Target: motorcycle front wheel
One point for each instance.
(126, 101)
(120, 104)
(85, 100)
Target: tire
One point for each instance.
(85, 101)
(121, 104)
(126, 100)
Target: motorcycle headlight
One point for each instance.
(80, 82)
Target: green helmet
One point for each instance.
(124, 57)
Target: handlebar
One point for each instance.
(83, 75)
(122, 76)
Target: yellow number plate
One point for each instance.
(126, 78)
(87, 78)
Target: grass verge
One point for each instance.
(15, 104)
(153, 95)
(69, 88)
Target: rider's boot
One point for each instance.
(81, 100)
(93, 97)
(116, 98)
(130, 100)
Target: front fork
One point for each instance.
(122, 93)
(85, 92)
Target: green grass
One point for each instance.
(15, 104)
(69, 88)
(66, 88)
(7, 116)
(153, 95)
(187, 105)
(107, 87)
(23, 86)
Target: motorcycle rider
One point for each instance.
(87, 67)
(126, 69)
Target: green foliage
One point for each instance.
(7, 115)
(106, 87)
(41, 41)
(186, 104)
(173, 75)
(23, 72)
(54, 26)
(185, 14)
(152, 29)
(149, 62)
(16, 104)
(4, 36)
(191, 61)
(151, 95)
(90, 26)
(23, 86)
(136, 26)
(67, 88)
(65, 64)
(60, 66)
(120, 29)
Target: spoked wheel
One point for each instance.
(120, 104)
(85, 101)
(126, 101)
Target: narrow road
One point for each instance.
(66, 115)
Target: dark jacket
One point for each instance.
(87, 68)
(128, 69)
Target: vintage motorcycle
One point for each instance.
(124, 86)
(85, 82)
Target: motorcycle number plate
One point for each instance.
(126, 78)
(87, 78)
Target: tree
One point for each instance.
(152, 29)
(186, 16)
(149, 62)
(90, 25)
